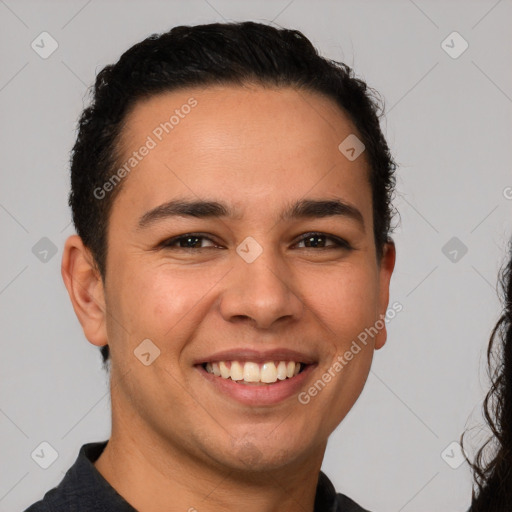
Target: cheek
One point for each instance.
(347, 300)
(161, 298)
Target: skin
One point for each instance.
(176, 442)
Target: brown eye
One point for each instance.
(320, 240)
(310, 241)
(188, 241)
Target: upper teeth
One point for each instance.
(254, 372)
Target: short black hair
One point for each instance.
(207, 55)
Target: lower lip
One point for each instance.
(259, 394)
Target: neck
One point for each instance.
(153, 476)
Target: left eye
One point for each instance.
(310, 240)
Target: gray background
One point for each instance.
(449, 125)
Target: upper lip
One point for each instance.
(258, 356)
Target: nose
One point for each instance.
(262, 292)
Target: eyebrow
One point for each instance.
(301, 209)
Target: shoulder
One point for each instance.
(345, 504)
(46, 504)
(58, 499)
(40, 506)
(328, 500)
(76, 490)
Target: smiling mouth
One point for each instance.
(249, 372)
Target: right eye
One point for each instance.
(187, 241)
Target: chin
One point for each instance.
(259, 455)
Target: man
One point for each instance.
(231, 192)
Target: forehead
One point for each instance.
(250, 145)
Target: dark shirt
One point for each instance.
(83, 489)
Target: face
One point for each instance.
(246, 287)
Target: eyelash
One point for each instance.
(339, 242)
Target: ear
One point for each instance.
(85, 288)
(387, 264)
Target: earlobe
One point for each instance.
(387, 266)
(85, 289)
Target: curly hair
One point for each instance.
(492, 467)
(207, 55)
